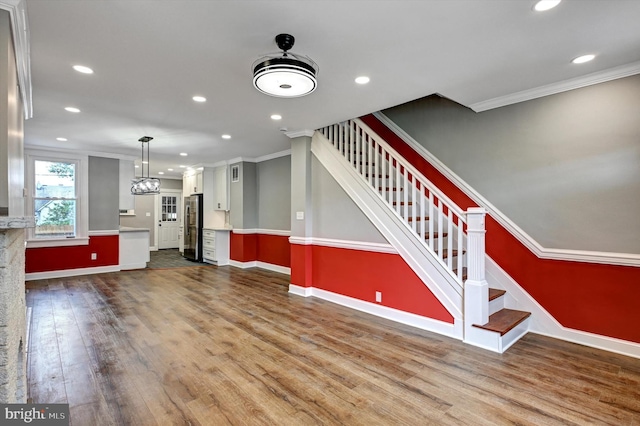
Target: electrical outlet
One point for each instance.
(94, 256)
(379, 296)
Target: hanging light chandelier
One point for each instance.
(285, 74)
(145, 185)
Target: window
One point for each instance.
(57, 198)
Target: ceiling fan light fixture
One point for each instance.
(285, 74)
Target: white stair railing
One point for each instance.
(436, 221)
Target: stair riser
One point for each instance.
(496, 304)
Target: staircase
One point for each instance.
(443, 244)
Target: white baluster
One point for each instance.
(370, 158)
(431, 219)
(423, 201)
(413, 202)
(440, 220)
(460, 248)
(450, 239)
(396, 187)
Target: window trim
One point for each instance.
(82, 196)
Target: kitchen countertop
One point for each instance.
(130, 229)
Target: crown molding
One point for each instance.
(273, 156)
(561, 86)
(20, 30)
(299, 133)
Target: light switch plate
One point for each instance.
(300, 215)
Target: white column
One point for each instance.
(476, 288)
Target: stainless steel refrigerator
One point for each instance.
(192, 231)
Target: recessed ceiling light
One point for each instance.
(145, 162)
(83, 69)
(582, 59)
(200, 168)
(184, 154)
(199, 99)
(72, 109)
(226, 136)
(543, 5)
(61, 139)
(136, 166)
(362, 79)
(160, 173)
(276, 117)
(170, 170)
(182, 167)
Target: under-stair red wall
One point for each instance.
(45, 259)
(267, 248)
(359, 274)
(592, 297)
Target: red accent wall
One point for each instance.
(272, 249)
(591, 297)
(359, 274)
(44, 259)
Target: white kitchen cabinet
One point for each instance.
(215, 246)
(221, 188)
(192, 182)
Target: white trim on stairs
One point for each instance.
(541, 322)
(426, 266)
(622, 259)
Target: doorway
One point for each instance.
(169, 218)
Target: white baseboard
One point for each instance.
(262, 265)
(70, 272)
(429, 324)
(542, 322)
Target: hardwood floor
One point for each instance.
(217, 346)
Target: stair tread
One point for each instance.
(504, 320)
(464, 274)
(494, 293)
(445, 253)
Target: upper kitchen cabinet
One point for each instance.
(192, 182)
(127, 174)
(221, 188)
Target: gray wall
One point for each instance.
(274, 193)
(335, 215)
(144, 204)
(104, 187)
(171, 183)
(243, 198)
(565, 168)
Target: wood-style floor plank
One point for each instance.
(225, 346)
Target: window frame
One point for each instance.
(81, 162)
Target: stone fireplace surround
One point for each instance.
(13, 322)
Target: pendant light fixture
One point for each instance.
(145, 185)
(285, 74)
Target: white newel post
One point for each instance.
(476, 289)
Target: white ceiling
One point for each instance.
(151, 57)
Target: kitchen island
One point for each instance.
(134, 248)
